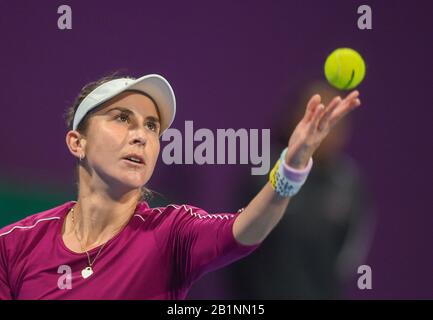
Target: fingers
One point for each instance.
(312, 107)
(354, 94)
(322, 121)
(348, 104)
(321, 117)
(318, 112)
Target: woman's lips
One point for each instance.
(132, 163)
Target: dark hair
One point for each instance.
(146, 194)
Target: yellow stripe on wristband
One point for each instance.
(272, 175)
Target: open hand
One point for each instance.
(315, 126)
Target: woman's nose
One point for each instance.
(139, 140)
(139, 135)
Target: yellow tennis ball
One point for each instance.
(344, 68)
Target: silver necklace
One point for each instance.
(87, 271)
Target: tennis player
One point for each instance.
(109, 244)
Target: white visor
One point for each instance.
(153, 85)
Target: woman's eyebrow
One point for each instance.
(130, 112)
(126, 110)
(154, 119)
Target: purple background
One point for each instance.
(230, 63)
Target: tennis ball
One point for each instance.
(344, 68)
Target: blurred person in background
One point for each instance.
(325, 233)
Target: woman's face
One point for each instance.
(127, 124)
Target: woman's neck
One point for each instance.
(98, 216)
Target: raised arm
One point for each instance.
(267, 208)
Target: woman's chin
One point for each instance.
(134, 183)
(125, 181)
(129, 182)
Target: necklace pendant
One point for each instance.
(86, 272)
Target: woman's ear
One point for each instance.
(76, 143)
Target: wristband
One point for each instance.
(285, 180)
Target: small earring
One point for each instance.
(81, 157)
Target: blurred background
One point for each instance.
(245, 64)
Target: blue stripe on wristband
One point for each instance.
(288, 180)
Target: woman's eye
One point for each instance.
(123, 117)
(152, 126)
